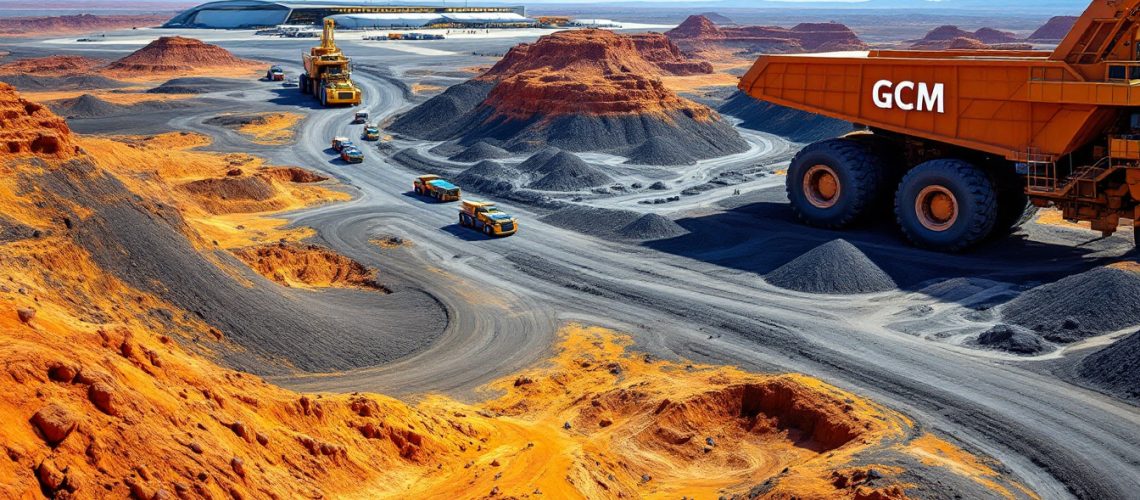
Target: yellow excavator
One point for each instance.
(328, 73)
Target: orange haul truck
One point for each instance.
(968, 143)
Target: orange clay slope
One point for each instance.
(103, 398)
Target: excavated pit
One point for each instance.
(297, 265)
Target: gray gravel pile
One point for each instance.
(480, 151)
(487, 177)
(612, 223)
(1115, 368)
(199, 85)
(447, 149)
(1083, 305)
(566, 172)
(442, 110)
(652, 227)
(86, 106)
(660, 151)
(29, 83)
(793, 124)
(537, 163)
(835, 267)
(1014, 339)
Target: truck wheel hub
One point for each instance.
(936, 207)
(821, 186)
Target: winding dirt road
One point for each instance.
(505, 297)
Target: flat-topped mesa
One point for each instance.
(27, 128)
(591, 72)
(175, 53)
(648, 54)
(953, 37)
(659, 50)
(698, 32)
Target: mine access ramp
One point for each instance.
(962, 139)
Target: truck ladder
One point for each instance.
(1040, 171)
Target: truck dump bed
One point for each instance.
(1007, 103)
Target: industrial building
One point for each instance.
(231, 14)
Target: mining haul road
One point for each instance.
(504, 298)
(698, 298)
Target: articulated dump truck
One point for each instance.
(328, 72)
(969, 143)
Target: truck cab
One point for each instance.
(435, 187)
(339, 143)
(486, 217)
(360, 117)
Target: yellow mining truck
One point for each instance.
(328, 73)
(486, 217)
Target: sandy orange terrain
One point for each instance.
(104, 400)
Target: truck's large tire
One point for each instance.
(831, 183)
(946, 205)
(303, 84)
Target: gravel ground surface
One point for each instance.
(699, 295)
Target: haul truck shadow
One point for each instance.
(760, 237)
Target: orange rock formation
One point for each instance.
(698, 34)
(589, 72)
(28, 128)
(176, 54)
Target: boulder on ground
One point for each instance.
(55, 423)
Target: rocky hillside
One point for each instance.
(28, 128)
(699, 34)
(953, 37)
(588, 90)
(1054, 30)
